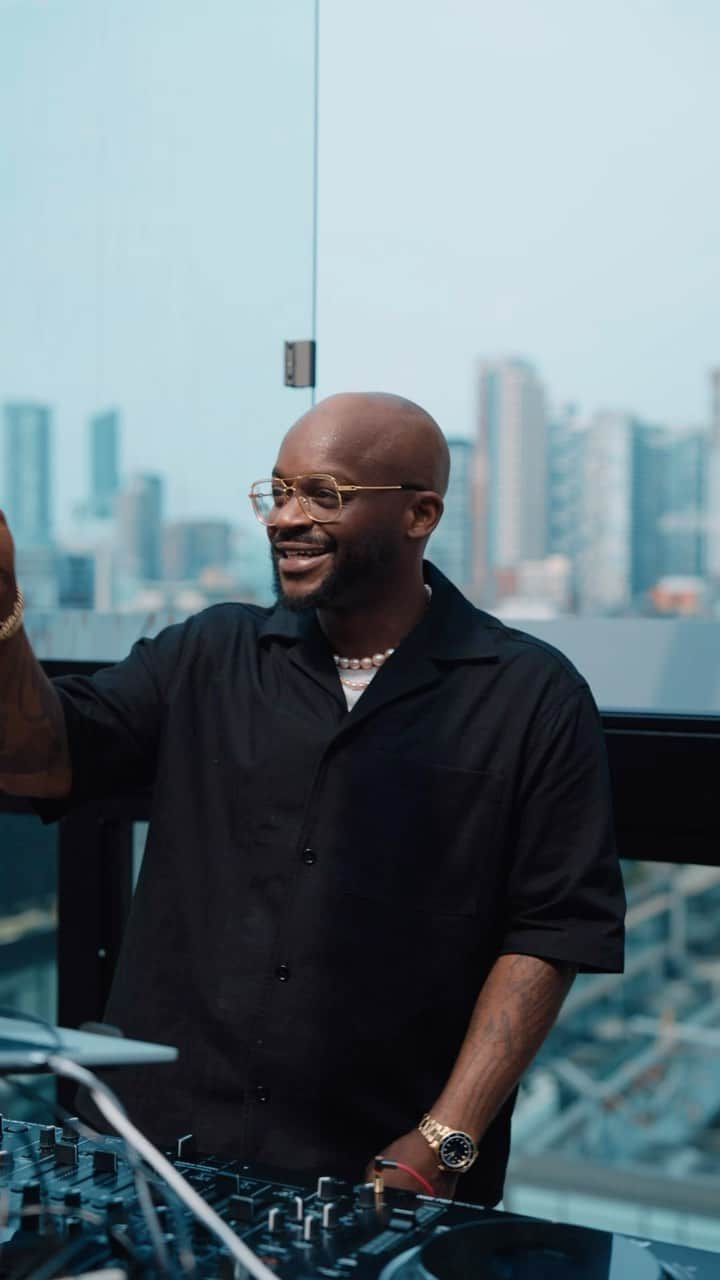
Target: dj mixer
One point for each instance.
(69, 1206)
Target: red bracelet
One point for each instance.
(406, 1168)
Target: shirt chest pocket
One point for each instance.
(415, 834)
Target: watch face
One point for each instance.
(457, 1151)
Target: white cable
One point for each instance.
(111, 1273)
(106, 1103)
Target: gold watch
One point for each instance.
(456, 1150)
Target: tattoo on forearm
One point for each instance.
(513, 1014)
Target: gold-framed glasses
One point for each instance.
(319, 496)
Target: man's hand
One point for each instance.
(414, 1151)
(8, 584)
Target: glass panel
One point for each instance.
(527, 263)
(617, 1121)
(156, 250)
(28, 935)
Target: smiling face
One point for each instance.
(355, 559)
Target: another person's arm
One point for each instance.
(34, 755)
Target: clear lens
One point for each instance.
(317, 495)
(263, 498)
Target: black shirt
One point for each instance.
(323, 892)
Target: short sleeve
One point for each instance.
(566, 900)
(114, 721)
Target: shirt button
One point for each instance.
(282, 973)
(309, 857)
(261, 1093)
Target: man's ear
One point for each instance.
(423, 514)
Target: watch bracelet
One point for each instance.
(434, 1133)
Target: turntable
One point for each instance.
(525, 1249)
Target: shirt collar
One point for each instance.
(452, 629)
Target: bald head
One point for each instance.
(376, 437)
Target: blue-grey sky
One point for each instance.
(537, 177)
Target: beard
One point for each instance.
(360, 568)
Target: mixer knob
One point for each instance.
(115, 1209)
(366, 1196)
(330, 1215)
(48, 1137)
(298, 1208)
(30, 1193)
(72, 1198)
(6, 1159)
(276, 1219)
(69, 1130)
(74, 1226)
(310, 1227)
(29, 1202)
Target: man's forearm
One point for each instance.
(516, 1008)
(34, 755)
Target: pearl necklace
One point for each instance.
(369, 663)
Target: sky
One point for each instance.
(537, 178)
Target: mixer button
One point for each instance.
(66, 1153)
(242, 1208)
(227, 1184)
(104, 1161)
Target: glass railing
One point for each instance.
(617, 1124)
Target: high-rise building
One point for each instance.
(190, 546)
(566, 443)
(642, 511)
(451, 545)
(604, 563)
(511, 511)
(649, 501)
(668, 535)
(27, 473)
(75, 580)
(139, 529)
(104, 467)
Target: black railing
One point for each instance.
(666, 785)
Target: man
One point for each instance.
(357, 925)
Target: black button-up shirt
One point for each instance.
(323, 892)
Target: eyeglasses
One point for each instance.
(320, 496)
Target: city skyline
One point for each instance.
(552, 195)
(114, 416)
(549, 513)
